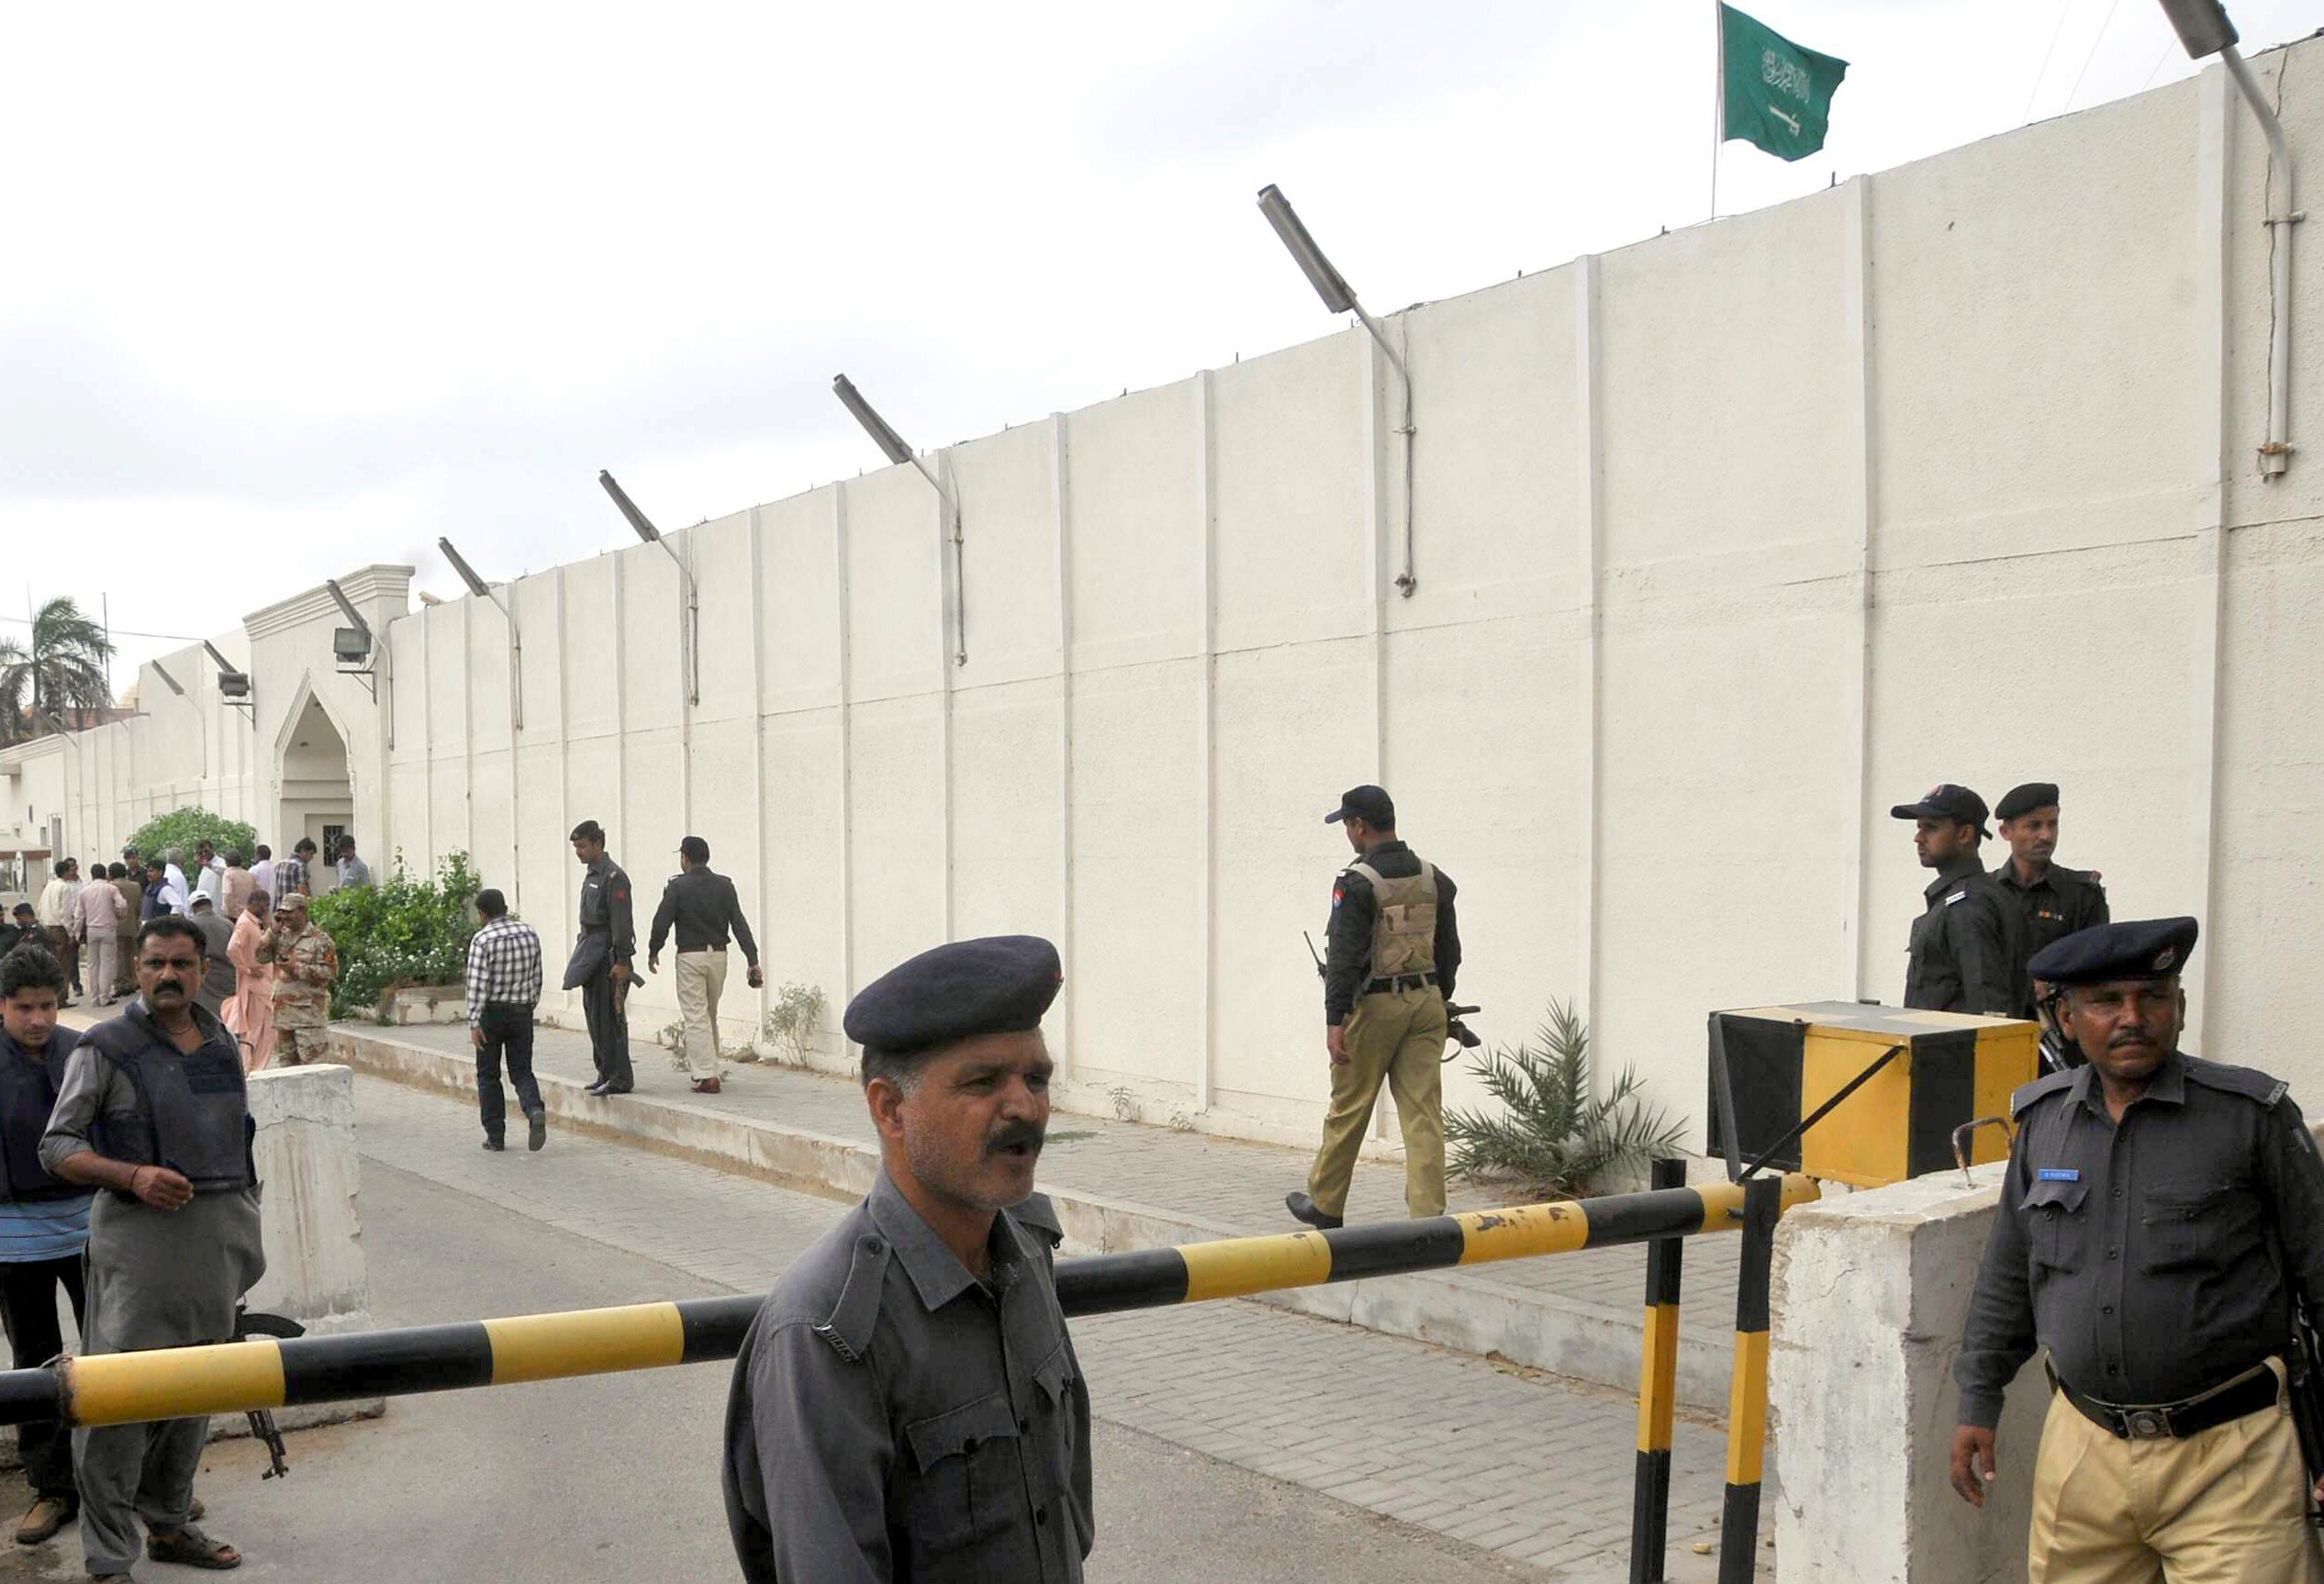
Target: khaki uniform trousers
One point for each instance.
(1397, 1038)
(701, 980)
(2227, 1506)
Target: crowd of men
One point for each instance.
(909, 1402)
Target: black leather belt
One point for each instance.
(2248, 1393)
(1395, 982)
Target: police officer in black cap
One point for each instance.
(1961, 944)
(2157, 1214)
(908, 1403)
(2048, 900)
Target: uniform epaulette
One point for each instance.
(2049, 1083)
(849, 1329)
(2249, 1082)
(1040, 1215)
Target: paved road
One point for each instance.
(1235, 1441)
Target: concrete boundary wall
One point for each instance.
(1726, 542)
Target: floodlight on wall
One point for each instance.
(352, 645)
(201, 726)
(483, 590)
(2203, 29)
(1339, 297)
(892, 446)
(653, 535)
(233, 687)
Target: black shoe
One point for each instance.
(494, 1144)
(1303, 1209)
(597, 1087)
(537, 1133)
(611, 1090)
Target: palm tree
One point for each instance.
(59, 671)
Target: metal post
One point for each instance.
(1658, 1385)
(1747, 1398)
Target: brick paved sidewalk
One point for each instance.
(1591, 1299)
(1533, 1468)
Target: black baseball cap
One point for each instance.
(1372, 805)
(694, 847)
(1946, 801)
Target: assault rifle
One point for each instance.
(2305, 1389)
(1462, 1036)
(264, 1430)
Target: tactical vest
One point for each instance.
(1404, 921)
(195, 1113)
(28, 1094)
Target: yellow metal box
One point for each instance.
(1772, 1066)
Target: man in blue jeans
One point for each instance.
(504, 986)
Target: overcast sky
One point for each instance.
(294, 289)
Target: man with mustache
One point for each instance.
(908, 1403)
(2050, 901)
(2158, 1215)
(152, 1110)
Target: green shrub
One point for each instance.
(401, 931)
(1554, 1135)
(186, 829)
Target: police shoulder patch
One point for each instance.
(2025, 1095)
(2249, 1082)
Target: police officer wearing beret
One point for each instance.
(1395, 950)
(600, 966)
(1961, 944)
(2048, 900)
(2157, 1214)
(907, 1404)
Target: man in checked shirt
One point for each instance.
(504, 986)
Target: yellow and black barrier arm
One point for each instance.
(267, 1373)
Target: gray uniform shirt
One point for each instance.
(893, 1417)
(156, 1278)
(2154, 1257)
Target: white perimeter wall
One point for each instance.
(1726, 542)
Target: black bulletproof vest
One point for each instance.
(28, 1086)
(196, 1108)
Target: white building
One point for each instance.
(1725, 542)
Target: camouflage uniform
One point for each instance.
(306, 967)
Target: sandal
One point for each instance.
(192, 1548)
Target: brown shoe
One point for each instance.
(706, 1087)
(47, 1514)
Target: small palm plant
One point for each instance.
(1555, 1136)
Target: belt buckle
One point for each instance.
(2147, 1425)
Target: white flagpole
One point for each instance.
(1718, 96)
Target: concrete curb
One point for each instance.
(1458, 1310)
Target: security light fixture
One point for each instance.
(653, 535)
(1339, 297)
(892, 446)
(483, 590)
(2203, 27)
(352, 646)
(233, 687)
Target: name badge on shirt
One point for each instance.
(1956, 897)
(2059, 1175)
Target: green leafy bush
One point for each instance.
(186, 829)
(401, 931)
(1554, 1136)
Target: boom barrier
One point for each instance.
(263, 1372)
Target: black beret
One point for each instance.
(2024, 799)
(996, 985)
(2144, 949)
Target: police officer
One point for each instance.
(153, 1110)
(1387, 975)
(908, 1403)
(599, 968)
(2157, 1214)
(2050, 901)
(1961, 944)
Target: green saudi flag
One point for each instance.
(1774, 94)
